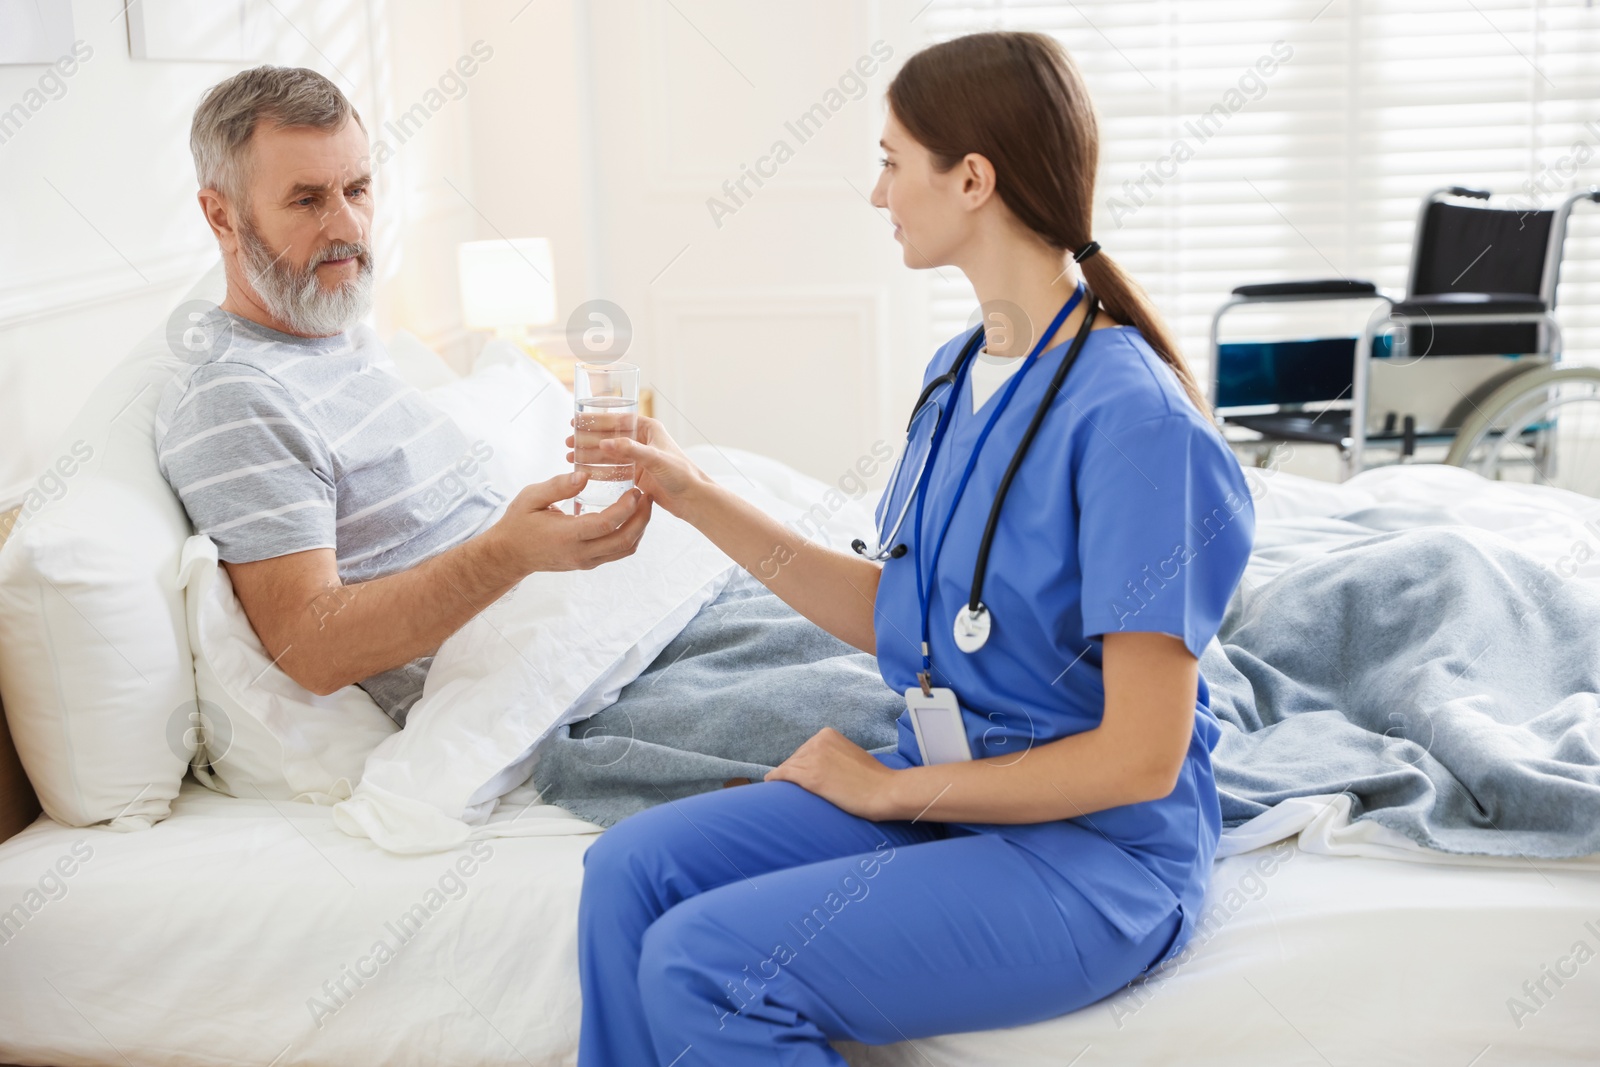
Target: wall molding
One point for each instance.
(866, 306)
(28, 301)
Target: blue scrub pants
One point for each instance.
(752, 925)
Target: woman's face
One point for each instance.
(931, 218)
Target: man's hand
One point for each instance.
(535, 536)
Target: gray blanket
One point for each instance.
(1444, 680)
(1439, 676)
(742, 687)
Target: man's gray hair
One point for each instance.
(230, 110)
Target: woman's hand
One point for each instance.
(661, 469)
(833, 589)
(837, 769)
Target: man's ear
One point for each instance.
(214, 206)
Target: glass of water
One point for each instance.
(607, 396)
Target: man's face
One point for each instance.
(303, 233)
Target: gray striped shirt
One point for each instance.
(280, 444)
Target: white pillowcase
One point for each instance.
(514, 405)
(263, 734)
(95, 666)
(417, 364)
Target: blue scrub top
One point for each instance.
(1130, 513)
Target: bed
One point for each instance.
(247, 931)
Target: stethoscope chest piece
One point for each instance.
(974, 621)
(972, 627)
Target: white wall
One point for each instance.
(790, 328)
(105, 247)
(604, 125)
(773, 312)
(529, 154)
(89, 266)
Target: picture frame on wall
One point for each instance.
(194, 30)
(33, 32)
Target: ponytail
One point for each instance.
(1126, 301)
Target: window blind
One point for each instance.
(1221, 167)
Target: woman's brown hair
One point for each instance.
(1018, 100)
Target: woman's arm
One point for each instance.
(835, 590)
(1134, 755)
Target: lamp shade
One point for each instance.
(507, 283)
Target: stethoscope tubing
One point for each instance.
(925, 595)
(975, 598)
(887, 549)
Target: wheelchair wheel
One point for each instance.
(1542, 427)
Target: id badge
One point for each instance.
(936, 720)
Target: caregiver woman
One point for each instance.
(880, 899)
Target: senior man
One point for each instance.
(298, 450)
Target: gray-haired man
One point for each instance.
(297, 449)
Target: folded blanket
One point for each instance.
(1443, 679)
(738, 690)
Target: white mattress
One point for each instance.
(202, 940)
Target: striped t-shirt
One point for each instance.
(278, 444)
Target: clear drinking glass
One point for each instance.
(607, 396)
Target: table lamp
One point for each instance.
(508, 286)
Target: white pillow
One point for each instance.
(418, 364)
(557, 648)
(514, 406)
(95, 667)
(262, 734)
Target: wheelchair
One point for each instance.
(1465, 369)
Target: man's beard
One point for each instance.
(295, 297)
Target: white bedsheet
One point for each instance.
(217, 936)
(208, 940)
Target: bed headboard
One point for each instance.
(19, 806)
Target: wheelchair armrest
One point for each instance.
(1325, 289)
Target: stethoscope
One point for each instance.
(974, 620)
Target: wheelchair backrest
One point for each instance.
(1474, 248)
(1462, 249)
